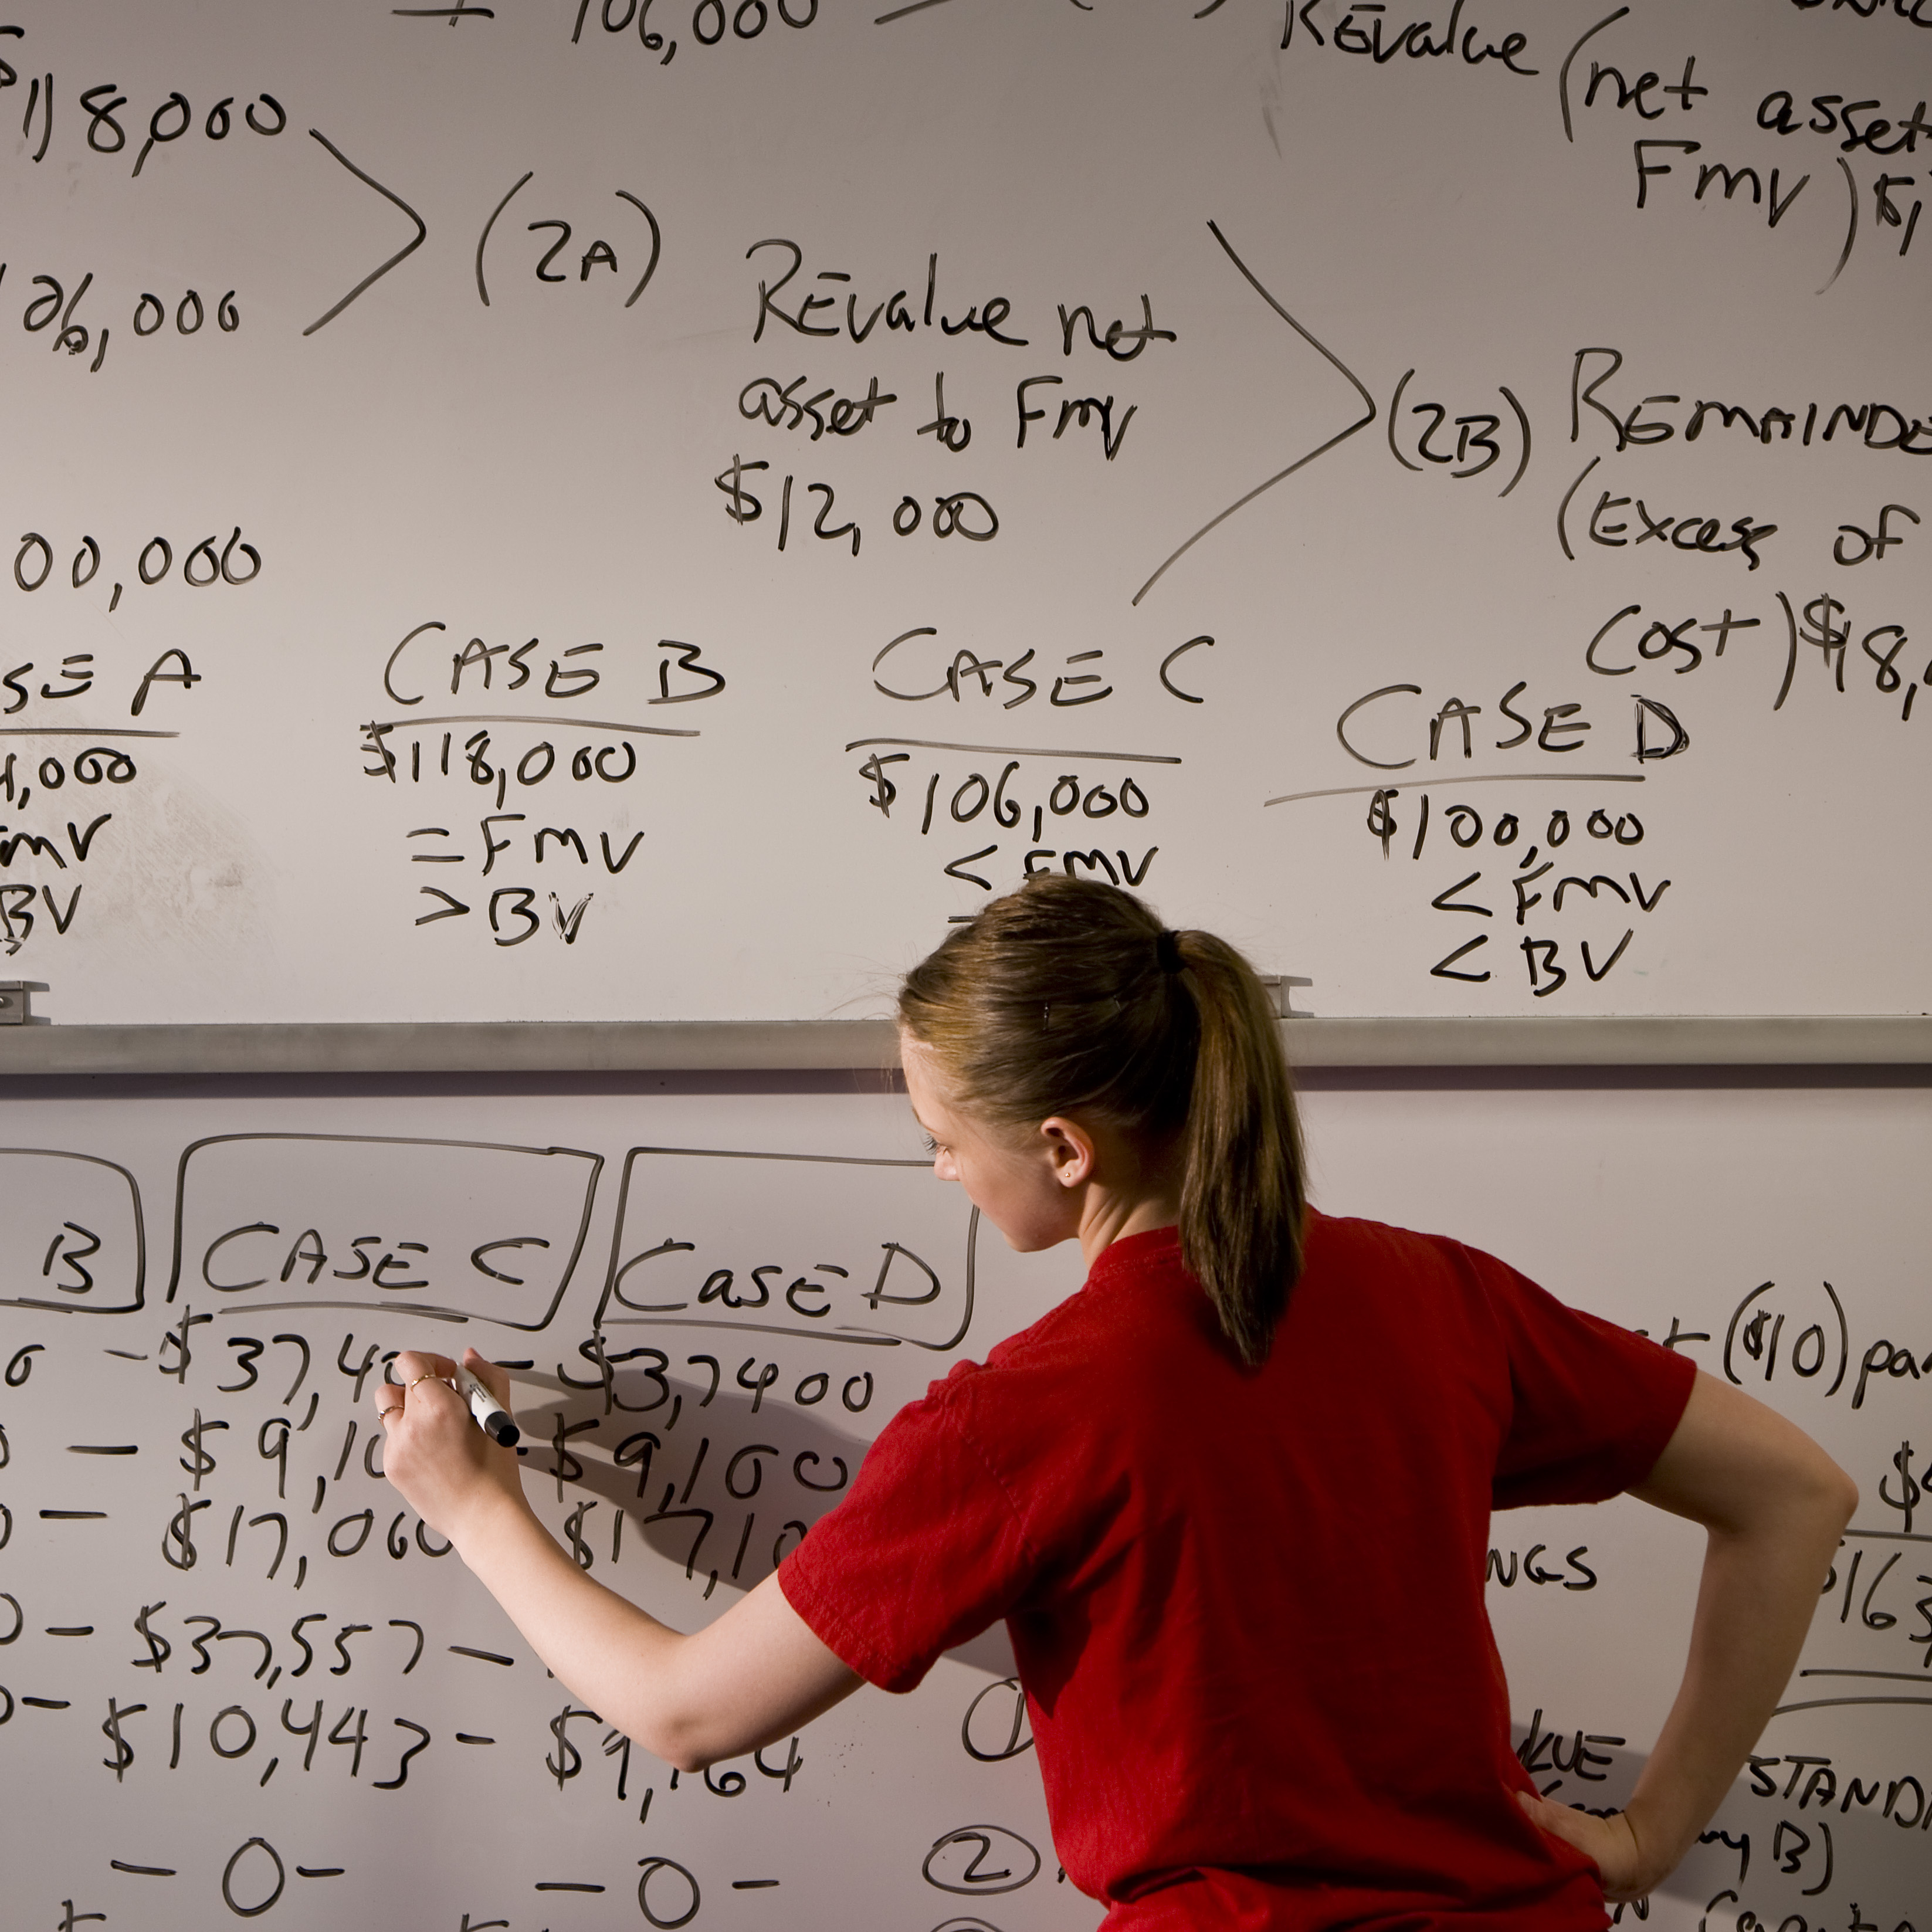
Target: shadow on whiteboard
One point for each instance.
(719, 1485)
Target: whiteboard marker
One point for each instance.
(492, 1417)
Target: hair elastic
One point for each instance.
(1167, 951)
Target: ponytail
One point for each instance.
(1242, 1195)
(1068, 997)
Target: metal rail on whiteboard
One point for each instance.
(617, 1046)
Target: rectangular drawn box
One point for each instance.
(871, 1253)
(463, 1230)
(76, 1241)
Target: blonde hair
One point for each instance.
(1068, 997)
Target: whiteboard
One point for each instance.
(504, 501)
(721, 1405)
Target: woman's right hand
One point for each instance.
(444, 1468)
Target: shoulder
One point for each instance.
(1423, 1307)
(1138, 1305)
(1349, 1240)
(1374, 1258)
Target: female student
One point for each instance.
(1232, 1498)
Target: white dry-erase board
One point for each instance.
(574, 510)
(238, 1679)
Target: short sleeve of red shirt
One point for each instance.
(1593, 1404)
(925, 1553)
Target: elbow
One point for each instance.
(1837, 1503)
(691, 1751)
(1844, 1501)
(1832, 1496)
(679, 1741)
(1820, 1500)
(1801, 1493)
(692, 1740)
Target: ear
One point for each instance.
(1070, 1150)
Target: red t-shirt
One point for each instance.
(1247, 1605)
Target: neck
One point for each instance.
(1133, 1193)
(1105, 1224)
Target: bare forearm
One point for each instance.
(746, 1680)
(615, 1658)
(755, 1673)
(1773, 1503)
(1754, 1605)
